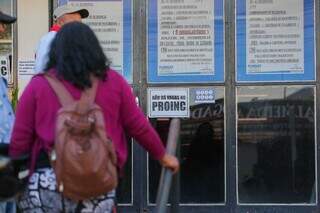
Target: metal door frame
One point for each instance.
(140, 85)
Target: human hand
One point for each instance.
(170, 162)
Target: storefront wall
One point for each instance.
(249, 140)
(30, 27)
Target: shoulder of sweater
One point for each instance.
(113, 74)
(38, 82)
(114, 77)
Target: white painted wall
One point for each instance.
(33, 22)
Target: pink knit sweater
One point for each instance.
(36, 113)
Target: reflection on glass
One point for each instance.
(202, 173)
(6, 45)
(201, 152)
(124, 189)
(7, 35)
(276, 150)
(6, 7)
(5, 49)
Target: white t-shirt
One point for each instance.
(42, 53)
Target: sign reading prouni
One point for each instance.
(168, 102)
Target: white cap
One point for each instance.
(68, 9)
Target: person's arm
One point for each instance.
(6, 111)
(24, 127)
(137, 126)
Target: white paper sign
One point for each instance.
(204, 95)
(26, 67)
(275, 36)
(185, 41)
(106, 20)
(167, 102)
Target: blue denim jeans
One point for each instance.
(8, 207)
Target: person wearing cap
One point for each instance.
(4, 20)
(6, 112)
(61, 15)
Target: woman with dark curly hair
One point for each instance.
(76, 58)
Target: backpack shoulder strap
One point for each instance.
(61, 92)
(88, 96)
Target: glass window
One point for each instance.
(202, 177)
(124, 190)
(276, 144)
(275, 46)
(6, 45)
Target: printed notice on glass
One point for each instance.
(185, 37)
(106, 19)
(168, 102)
(274, 36)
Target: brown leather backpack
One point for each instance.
(83, 157)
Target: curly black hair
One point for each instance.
(76, 54)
